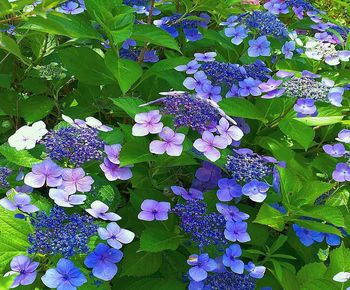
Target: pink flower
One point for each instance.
(171, 144)
(147, 123)
(232, 133)
(75, 180)
(208, 144)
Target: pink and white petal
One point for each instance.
(103, 233)
(68, 186)
(111, 216)
(140, 130)
(154, 116)
(178, 138)
(84, 184)
(235, 133)
(157, 147)
(77, 199)
(34, 180)
(141, 118)
(6, 203)
(149, 205)
(78, 173)
(167, 134)
(67, 174)
(173, 150)
(212, 154)
(124, 173)
(113, 228)
(208, 136)
(53, 181)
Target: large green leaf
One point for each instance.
(271, 217)
(76, 26)
(138, 264)
(86, 65)
(299, 132)
(125, 71)
(237, 107)
(320, 121)
(10, 45)
(156, 239)
(154, 35)
(135, 151)
(310, 192)
(21, 158)
(13, 237)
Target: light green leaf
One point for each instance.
(135, 151)
(125, 71)
(154, 35)
(21, 158)
(271, 217)
(10, 45)
(297, 131)
(311, 272)
(320, 121)
(310, 192)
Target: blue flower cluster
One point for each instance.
(4, 173)
(265, 22)
(229, 281)
(73, 145)
(245, 165)
(189, 111)
(205, 228)
(178, 22)
(60, 233)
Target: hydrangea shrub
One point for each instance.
(169, 145)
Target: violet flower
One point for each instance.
(336, 150)
(210, 92)
(25, 269)
(249, 86)
(65, 199)
(344, 136)
(154, 210)
(172, 143)
(71, 7)
(113, 152)
(230, 133)
(237, 34)
(190, 67)
(21, 201)
(228, 189)
(115, 236)
(206, 57)
(45, 172)
(191, 194)
(256, 272)
(230, 259)
(75, 180)
(100, 210)
(208, 144)
(256, 190)
(231, 213)
(197, 81)
(341, 172)
(259, 47)
(200, 266)
(305, 107)
(288, 48)
(97, 124)
(115, 172)
(236, 231)
(147, 123)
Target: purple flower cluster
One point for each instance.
(4, 173)
(73, 145)
(189, 111)
(176, 23)
(245, 165)
(205, 228)
(60, 233)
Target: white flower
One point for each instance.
(342, 277)
(27, 136)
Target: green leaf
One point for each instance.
(13, 237)
(339, 261)
(310, 272)
(135, 151)
(154, 35)
(317, 226)
(76, 26)
(21, 158)
(327, 213)
(131, 105)
(125, 71)
(320, 121)
(237, 107)
(155, 284)
(10, 45)
(278, 243)
(92, 70)
(271, 217)
(157, 239)
(297, 131)
(165, 65)
(277, 148)
(310, 192)
(339, 198)
(35, 108)
(138, 264)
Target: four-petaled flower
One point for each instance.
(21, 201)
(65, 199)
(190, 67)
(259, 47)
(25, 268)
(114, 171)
(197, 81)
(65, 276)
(230, 259)
(305, 107)
(341, 172)
(115, 236)
(200, 266)
(206, 57)
(71, 7)
(230, 133)
(344, 136)
(208, 144)
(97, 124)
(100, 210)
(336, 150)
(154, 210)
(288, 48)
(45, 172)
(238, 34)
(236, 231)
(249, 86)
(231, 213)
(113, 152)
(172, 143)
(191, 194)
(256, 190)
(103, 262)
(228, 189)
(75, 180)
(256, 272)
(147, 123)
